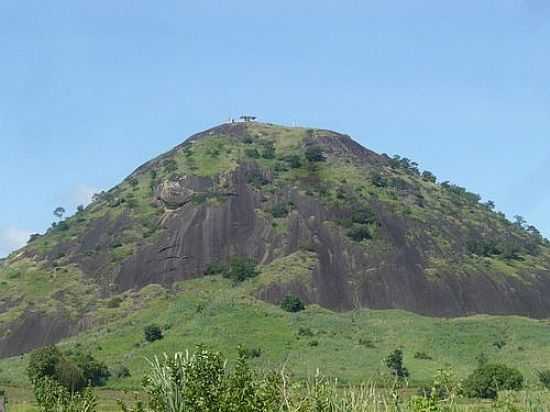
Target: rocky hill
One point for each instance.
(330, 221)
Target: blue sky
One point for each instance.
(90, 90)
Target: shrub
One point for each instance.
(294, 161)
(34, 237)
(279, 210)
(378, 180)
(202, 382)
(358, 233)
(54, 397)
(170, 165)
(248, 140)
(215, 268)
(292, 304)
(366, 342)
(484, 248)
(114, 302)
(429, 176)
(3, 399)
(439, 396)
(499, 344)
(258, 180)
(95, 372)
(313, 343)
(268, 150)
(240, 269)
(544, 377)
(394, 362)
(50, 363)
(422, 355)
(303, 331)
(314, 153)
(363, 216)
(482, 359)
(252, 152)
(152, 333)
(251, 353)
(487, 380)
(43, 362)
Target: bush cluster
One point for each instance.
(152, 333)
(292, 304)
(238, 269)
(203, 382)
(394, 362)
(72, 370)
(487, 380)
(314, 153)
(279, 210)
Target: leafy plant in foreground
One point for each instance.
(51, 396)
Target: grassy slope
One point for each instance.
(211, 311)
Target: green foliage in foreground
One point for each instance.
(203, 382)
(54, 397)
(72, 370)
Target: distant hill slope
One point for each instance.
(337, 224)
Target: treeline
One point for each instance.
(529, 238)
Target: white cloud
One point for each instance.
(12, 238)
(82, 194)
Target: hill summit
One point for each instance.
(320, 216)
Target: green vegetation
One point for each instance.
(292, 304)
(72, 370)
(152, 333)
(314, 153)
(487, 380)
(279, 210)
(394, 362)
(54, 397)
(240, 269)
(209, 382)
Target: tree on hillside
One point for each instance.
(240, 269)
(315, 154)
(292, 304)
(394, 362)
(487, 380)
(429, 176)
(59, 212)
(51, 363)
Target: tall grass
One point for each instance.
(203, 382)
